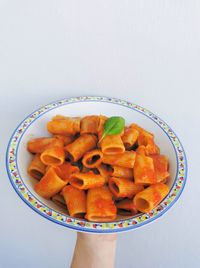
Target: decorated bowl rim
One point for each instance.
(82, 225)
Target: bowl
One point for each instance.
(34, 125)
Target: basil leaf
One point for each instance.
(113, 125)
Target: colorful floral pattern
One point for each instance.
(82, 225)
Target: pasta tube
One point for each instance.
(66, 170)
(51, 183)
(127, 159)
(122, 172)
(144, 172)
(59, 200)
(92, 158)
(65, 139)
(36, 168)
(80, 146)
(130, 137)
(104, 171)
(140, 129)
(53, 156)
(112, 144)
(149, 198)
(102, 120)
(141, 150)
(75, 200)
(100, 206)
(147, 140)
(126, 207)
(64, 126)
(38, 145)
(86, 180)
(89, 124)
(161, 167)
(121, 187)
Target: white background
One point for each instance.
(147, 52)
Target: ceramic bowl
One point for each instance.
(34, 125)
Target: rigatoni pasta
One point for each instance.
(51, 183)
(92, 158)
(112, 145)
(38, 145)
(80, 146)
(66, 170)
(53, 156)
(89, 124)
(105, 171)
(126, 160)
(100, 206)
(75, 200)
(149, 198)
(86, 180)
(65, 139)
(59, 200)
(122, 172)
(144, 170)
(64, 125)
(95, 167)
(121, 187)
(130, 137)
(126, 207)
(36, 168)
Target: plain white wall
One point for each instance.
(147, 52)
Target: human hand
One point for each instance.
(92, 237)
(94, 250)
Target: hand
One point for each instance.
(94, 250)
(93, 238)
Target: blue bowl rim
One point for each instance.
(95, 229)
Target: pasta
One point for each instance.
(92, 158)
(66, 170)
(86, 180)
(112, 145)
(121, 187)
(122, 172)
(65, 139)
(141, 150)
(64, 125)
(96, 171)
(100, 206)
(144, 170)
(161, 167)
(105, 171)
(127, 159)
(53, 156)
(130, 137)
(36, 168)
(80, 146)
(147, 199)
(89, 124)
(140, 129)
(59, 200)
(75, 200)
(50, 184)
(126, 207)
(38, 145)
(147, 140)
(102, 120)
(150, 169)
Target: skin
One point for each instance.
(94, 251)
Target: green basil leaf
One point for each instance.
(113, 125)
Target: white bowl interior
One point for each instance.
(38, 129)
